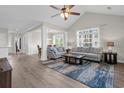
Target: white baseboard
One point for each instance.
(120, 61)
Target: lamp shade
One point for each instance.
(110, 44)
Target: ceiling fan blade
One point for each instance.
(56, 15)
(55, 7)
(70, 6)
(74, 13)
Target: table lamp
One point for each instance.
(110, 45)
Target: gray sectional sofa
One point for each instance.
(93, 54)
(55, 52)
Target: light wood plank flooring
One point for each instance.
(29, 72)
(119, 76)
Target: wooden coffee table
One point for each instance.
(74, 58)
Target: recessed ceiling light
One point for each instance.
(109, 8)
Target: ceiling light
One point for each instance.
(64, 15)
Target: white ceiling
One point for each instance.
(23, 17)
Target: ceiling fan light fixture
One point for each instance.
(65, 12)
(64, 15)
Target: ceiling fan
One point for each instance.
(65, 11)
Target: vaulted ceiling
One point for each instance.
(22, 17)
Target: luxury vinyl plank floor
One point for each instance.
(118, 74)
(28, 72)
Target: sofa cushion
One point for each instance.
(52, 52)
(84, 50)
(91, 53)
(78, 49)
(74, 49)
(95, 50)
(60, 49)
(87, 54)
(49, 48)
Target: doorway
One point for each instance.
(18, 45)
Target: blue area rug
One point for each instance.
(95, 75)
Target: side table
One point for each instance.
(110, 57)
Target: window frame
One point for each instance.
(54, 37)
(92, 37)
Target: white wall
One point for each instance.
(3, 37)
(3, 42)
(30, 40)
(11, 42)
(35, 40)
(111, 29)
(3, 52)
(25, 44)
(7, 39)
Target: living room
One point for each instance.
(84, 49)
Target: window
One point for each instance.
(58, 40)
(88, 38)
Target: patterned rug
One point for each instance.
(95, 75)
